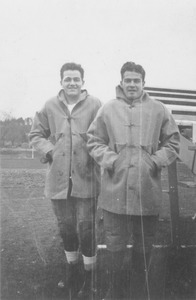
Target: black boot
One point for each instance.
(73, 280)
(139, 277)
(157, 273)
(116, 277)
(89, 288)
(114, 291)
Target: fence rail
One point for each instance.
(181, 104)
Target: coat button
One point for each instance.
(131, 188)
(63, 153)
(131, 165)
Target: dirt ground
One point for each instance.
(32, 258)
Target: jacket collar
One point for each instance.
(61, 96)
(121, 96)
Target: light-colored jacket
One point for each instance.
(132, 142)
(54, 128)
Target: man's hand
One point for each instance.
(47, 158)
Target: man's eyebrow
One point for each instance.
(68, 77)
(132, 79)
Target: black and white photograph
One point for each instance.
(98, 150)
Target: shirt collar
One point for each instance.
(62, 97)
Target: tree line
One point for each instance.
(14, 131)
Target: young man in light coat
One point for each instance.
(72, 181)
(131, 138)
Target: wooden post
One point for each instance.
(193, 148)
(32, 153)
(174, 203)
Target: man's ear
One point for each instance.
(121, 83)
(144, 83)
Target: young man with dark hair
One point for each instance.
(131, 138)
(72, 181)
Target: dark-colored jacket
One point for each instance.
(67, 141)
(132, 142)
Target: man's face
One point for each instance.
(132, 85)
(72, 83)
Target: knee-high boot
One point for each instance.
(73, 277)
(89, 288)
(157, 273)
(148, 276)
(115, 288)
(139, 277)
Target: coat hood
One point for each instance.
(62, 97)
(121, 95)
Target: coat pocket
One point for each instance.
(118, 147)
(59, 144)
(122, 156)
(83, 136)
(148, 160)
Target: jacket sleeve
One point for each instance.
(40, 133)
(169, 144)
(98, 142)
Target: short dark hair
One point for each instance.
(131, 66)
(71, 66)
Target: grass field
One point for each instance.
(32, 258)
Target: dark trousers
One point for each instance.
(141, 231)
(119, 229)
(76, 222)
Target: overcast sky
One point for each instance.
(38, 36)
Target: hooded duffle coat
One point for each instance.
(132, 142)
(55, 128)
